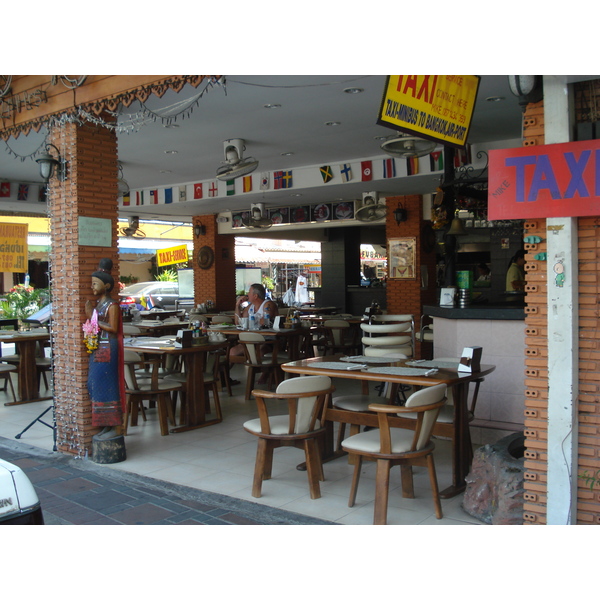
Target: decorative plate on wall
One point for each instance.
(206, 257)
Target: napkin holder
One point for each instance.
(184, 338)
(447, 296)
(470, 361)
(278, 322)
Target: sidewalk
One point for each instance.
(80, 492)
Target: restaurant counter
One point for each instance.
(499, 329)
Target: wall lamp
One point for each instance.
(400, 214)
(199, 230)
(48, 163)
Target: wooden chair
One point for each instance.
(338, 336)
(301, 427)
(5, 371)
(153, 389)
(391, 445)
(257, 360)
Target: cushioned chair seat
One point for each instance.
(369, 441)
(278, 424)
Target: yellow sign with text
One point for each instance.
(13, 247)
(171, 256)
(436, 107)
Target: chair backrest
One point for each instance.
(305, 410)
(131, 360)
(338, 332)
(131, 330)
(221, 319)
(379, 336)
(428, 396)
(252, 343)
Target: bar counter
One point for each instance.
(499, 328)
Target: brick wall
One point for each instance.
(218, 282)
(90, 191)
(536, 360)
(406, 296)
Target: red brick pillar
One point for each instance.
(406, 296)
(216, 283)
(89, 191)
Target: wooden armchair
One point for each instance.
(301, 427)
(391, 445)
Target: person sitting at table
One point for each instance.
(105, 375)
(254, 304)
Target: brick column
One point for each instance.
(406, 296)
(89, 191)
(216, 283)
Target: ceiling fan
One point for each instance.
(133, 229)
(235, 165)
(123, 186)
(257, 219)
(371, 209)
(406, 146)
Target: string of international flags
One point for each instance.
(276, 180)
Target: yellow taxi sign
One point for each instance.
(435, 107)
(172, 256)
(13, 247)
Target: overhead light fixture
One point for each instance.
(171, 126)
(353, 90)
(271, 105)
(332, 123)
(171, 151)
(495, 99)
(457, 227)
(48, 164)
(199, 229)
(287, 154)
(527, 88)
(400, 214)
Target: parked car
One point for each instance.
(19, 503)
(149, 294)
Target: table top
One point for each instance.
(371, 368)
(15, 336)
(166, 346)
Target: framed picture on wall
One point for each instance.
(402, 257)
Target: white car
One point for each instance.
(19, 503)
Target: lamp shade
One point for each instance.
(457, 227)
(47, 163)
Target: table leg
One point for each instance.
(195, 413)
(462, 448)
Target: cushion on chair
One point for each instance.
(279, 425)
(446, 414)
(368, 441)
(355, 403)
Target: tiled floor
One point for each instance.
(220, 458)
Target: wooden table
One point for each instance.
(269, 334)
(161, 328)
(27, 377)
(194, 359)
(462, 449)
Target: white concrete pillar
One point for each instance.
(563, 326)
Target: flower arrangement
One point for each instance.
(22, 300)
(90, 333)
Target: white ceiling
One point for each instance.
(236, 110)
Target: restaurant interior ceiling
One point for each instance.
(287, 122)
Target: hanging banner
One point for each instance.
(13, 247)
(435, 107)
(555, 180)
(172, 256)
